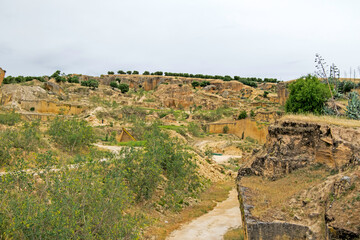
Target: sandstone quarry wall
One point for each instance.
(2, 75)
(283, 93)
(242, 128)
(44, 106)
(291, 145)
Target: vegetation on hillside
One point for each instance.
(307, 94)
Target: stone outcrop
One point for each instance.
(327, 208)
(282, 92)
(242, 128)
(2, 75)
(54, 88)
(292, 145)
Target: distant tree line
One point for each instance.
(250, 81)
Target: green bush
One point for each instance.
(194, 129)
(195, 84)
(225, 129)
(146, 73)
(13, 142)
(204, 83)
(123, 87)
(10, 119)
(121, 72)
(72, 134)
(129, 72)
(110, 73)
(353, 107)
(242, 115)
(91, 202)
(73, 79)
(265, 94)
(252, 114)
(91, 83)
(114, 84)
(307, 94)
(135, 73)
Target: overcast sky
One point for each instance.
(262, 38)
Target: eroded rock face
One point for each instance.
(283, 93)
(291, 145)
(2, 75)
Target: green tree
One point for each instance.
(146, 73)
(121, 72)
(129, 72)
(110, 72)
(307, 94)
(135, 73)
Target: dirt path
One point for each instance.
(224, 158)
(214, 224)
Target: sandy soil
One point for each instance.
(214, 224)
(224, 158)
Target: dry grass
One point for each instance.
(234, 234)
(266, 194)
(331, 120)
(167, 223)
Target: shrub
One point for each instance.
(123, 87)
(353, 107)
(194, 129)
(114, 84)
(135, 73)
(195, 84)
(307, 94)
(10, 119)
(56, 74)
(121, 72)
(225, 129)
(242, 115)
(91, 202)
(252, 114)
(73, 79)
(129, 72)
(91, 83)
(146, 73)
(110, 73)
(72, 134)
(204, 83)
(265, 94)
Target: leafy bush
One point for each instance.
(353, 107)
(91, 83)
(90, 202)
(194, 129)
(307, 94)
(162, 156)
(225, 129)
(135, 73)
(26, 139)
(129, 72)
(345, 86)
(265, 94)
(121, 72)
(10, 119)
(204, 83)
(242, 115)
(124, 87)
(146, 73)
(73, 79)
(252, 114)
(195, 84)
(114, 84)
(110, 73)
(72, 134)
